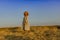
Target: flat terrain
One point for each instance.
(36, 33)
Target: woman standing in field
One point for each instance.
(26, 25)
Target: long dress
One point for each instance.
(26, 25)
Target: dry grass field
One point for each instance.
(36, 33)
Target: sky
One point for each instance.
(41, 12)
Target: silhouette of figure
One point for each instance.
(26, 25)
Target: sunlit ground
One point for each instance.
(35, 33)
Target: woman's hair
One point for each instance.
(26, 13)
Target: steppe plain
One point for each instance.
(35, 33)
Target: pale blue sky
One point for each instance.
(46, 12)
